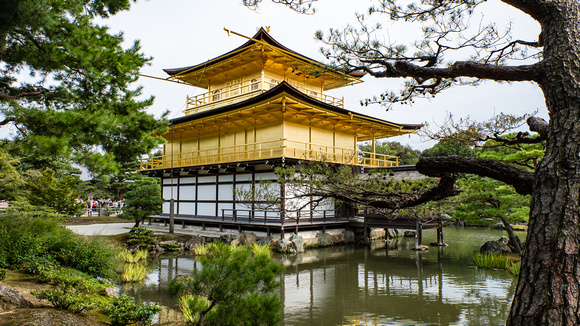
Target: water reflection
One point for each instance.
(388, 284)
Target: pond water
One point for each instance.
(354, 285)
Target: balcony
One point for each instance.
(245, 90)
(269, 150)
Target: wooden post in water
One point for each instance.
(440, 232)
(171, 215)
(418, 235)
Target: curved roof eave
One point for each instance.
(284, 87)
(260, 35)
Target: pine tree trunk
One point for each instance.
(548, 288)
(514, 242)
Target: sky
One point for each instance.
(178, 33)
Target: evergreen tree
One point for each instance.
(58, 194)
(235, 286)
(406, 155)
(65, 83)
(142, 199)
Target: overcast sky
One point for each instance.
(177, 33)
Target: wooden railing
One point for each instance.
(244, 90)
(267, 150)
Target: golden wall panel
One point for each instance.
(296, 132)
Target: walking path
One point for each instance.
(119, 228)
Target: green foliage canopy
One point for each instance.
(235, 286)
(65, 83)
(407, 155)
(142, 199)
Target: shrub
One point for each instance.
(68, 300)
(2, 274)
(124, 311)
(30, 238)
(235, 286)
(72, 290)
(142, 237)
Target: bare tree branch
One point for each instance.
(6, 97)
(520, 179)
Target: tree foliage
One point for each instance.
(65, 83)
(406, 155)
(235, 286)
(142, 199)
(58, 194)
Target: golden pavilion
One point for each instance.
(264, 106)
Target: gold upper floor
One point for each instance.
(255, 67)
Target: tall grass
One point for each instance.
(515, 268)
(133, 273)
(488, 260)
(497, 261)
(133, 257)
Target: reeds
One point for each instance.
(135, 268)
(133, 257)
(497, 261)
(134, 272)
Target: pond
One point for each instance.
(355, 285)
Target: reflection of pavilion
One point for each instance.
(408, 289)
(336, 286)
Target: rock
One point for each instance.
(193, 242)
(377, 233)
(338, 239)
(409, 234)
(498, 226)
(132, 248)
(9, 296)
(266, 241)
(281, 246)
(226, 238)
(421, 248)
(394, 233)
(297, 243)
(324, 239)
(349, 237)
(495, 247)
(111, 292)
(460, 224)
(248, 238)
(436, 244)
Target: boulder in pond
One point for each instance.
(496, 247)
(297, 243)
(248, 238)
(324, 239)
(193, 242)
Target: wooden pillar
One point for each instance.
(366, 233)
(171, 213)
(418, 235)
(440, 232)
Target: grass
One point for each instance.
(492, 261)
(497, 261)
(133, 257)
(133, 273)
(515, 268)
